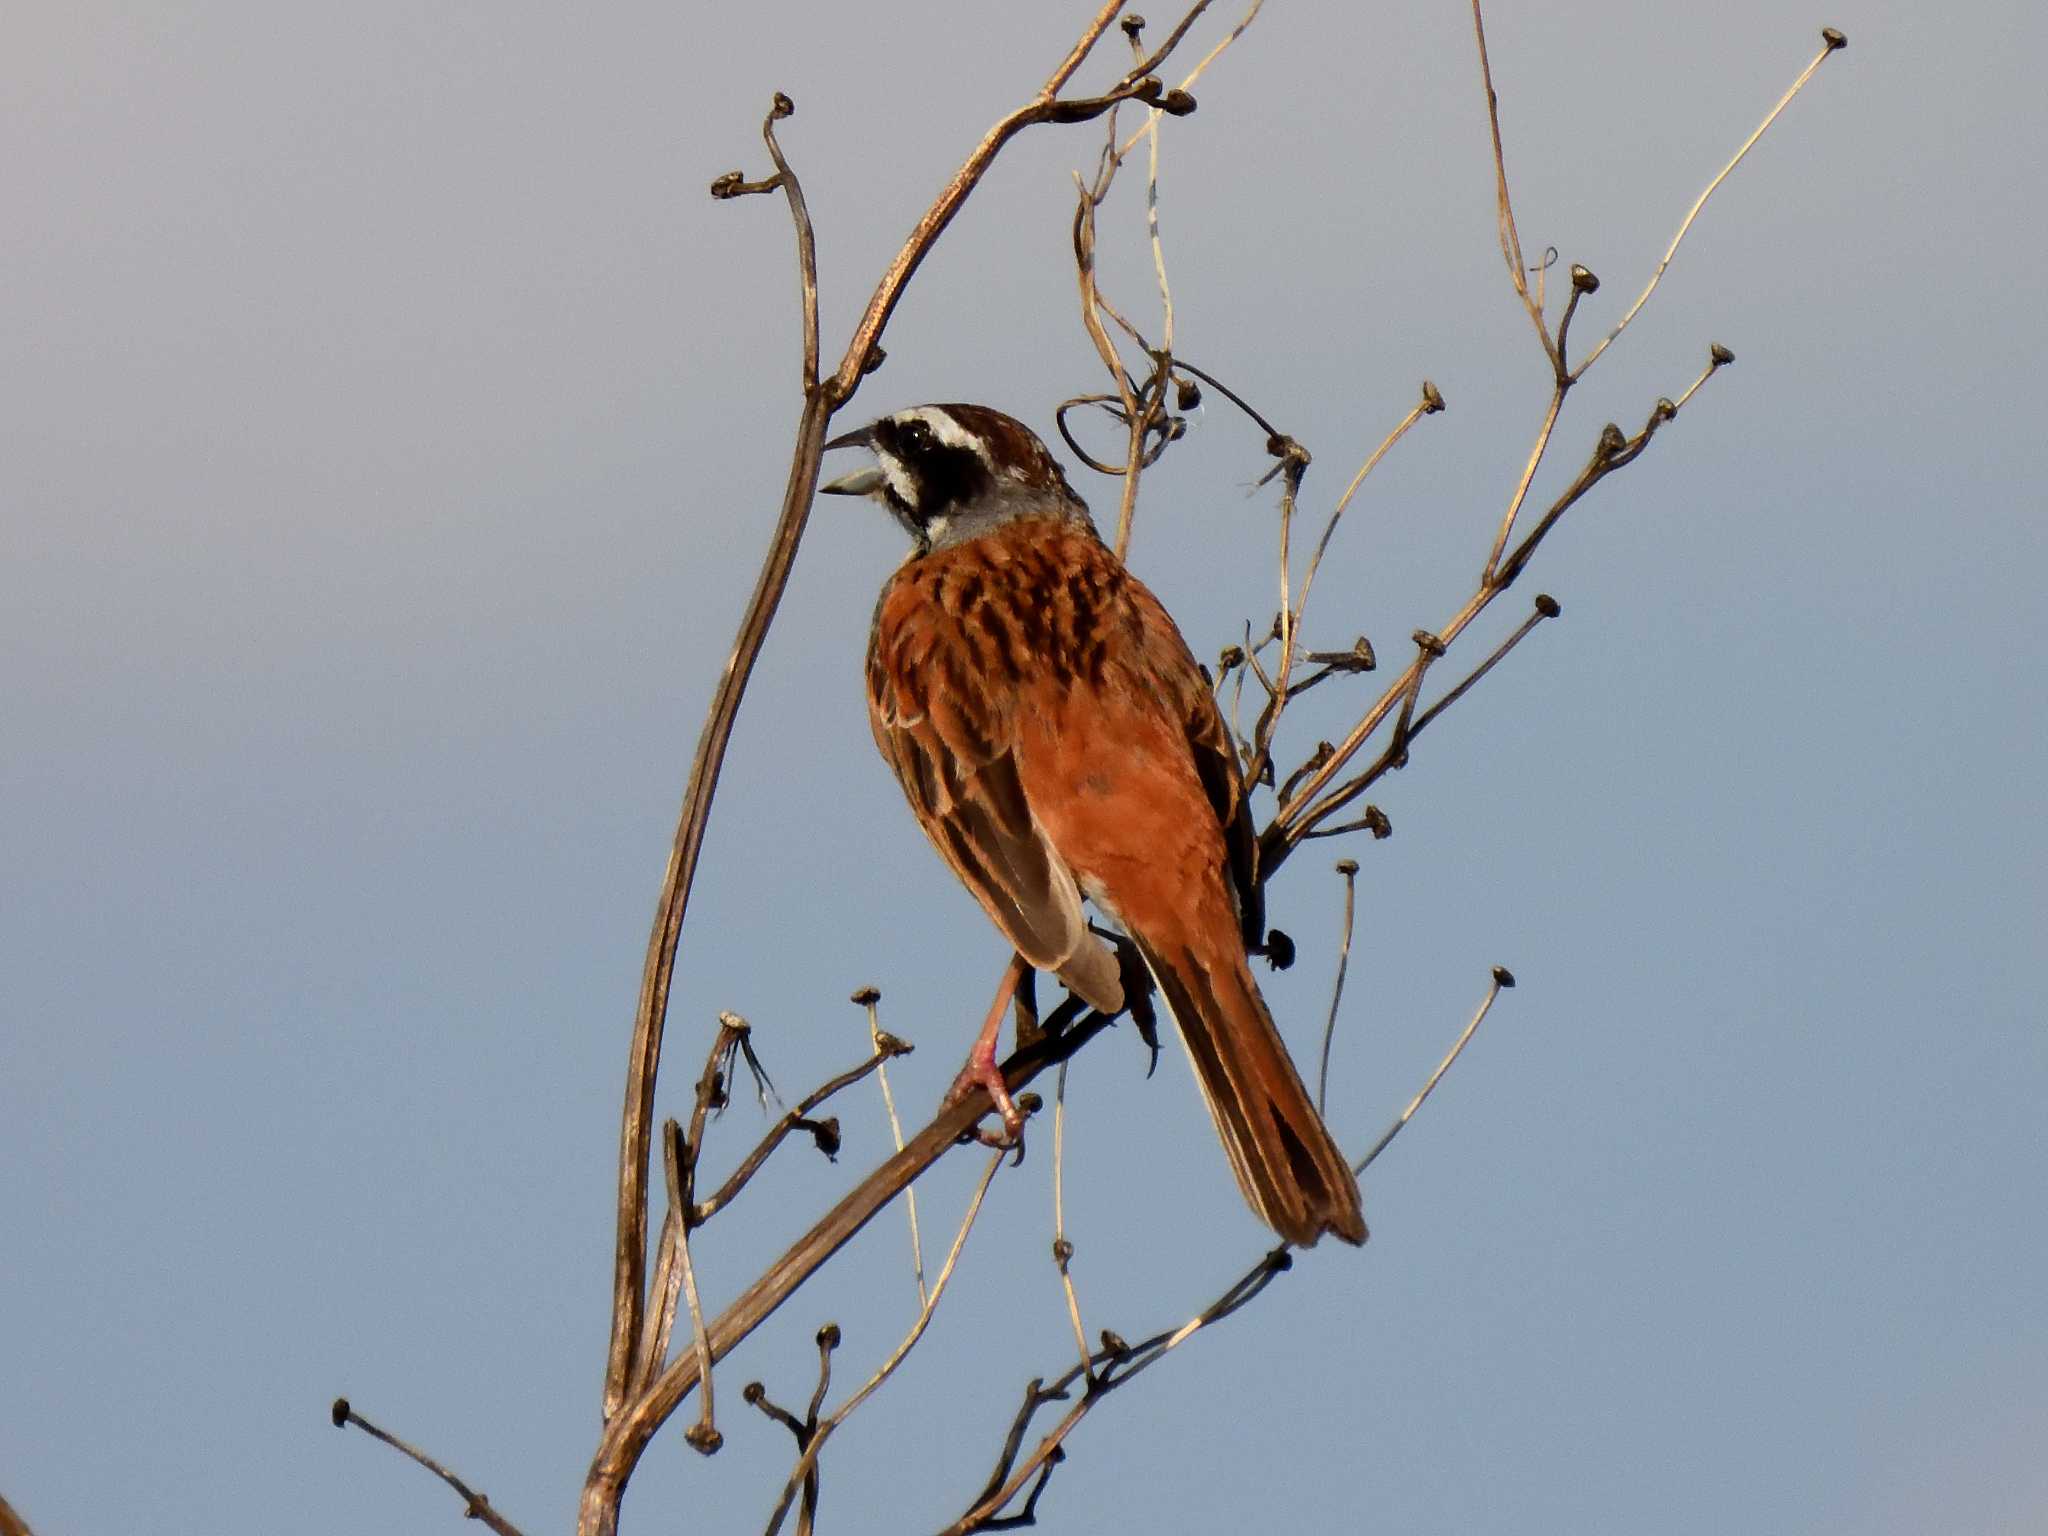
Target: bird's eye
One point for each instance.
(917, 436)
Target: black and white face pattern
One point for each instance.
(952, 469)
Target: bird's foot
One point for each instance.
(981, 1072)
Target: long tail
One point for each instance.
(1294, 1176)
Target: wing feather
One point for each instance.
(951, 747)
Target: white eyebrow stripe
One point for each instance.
(949, 431)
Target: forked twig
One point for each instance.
(825, 1132)
(627, 1436)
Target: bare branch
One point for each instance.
(798, 1118)
(1062, 1248)
(1529, 468)
(867, 998)
(1832, 42)
(804, 1430)
(703, 1436)
(1348, 868)
(1429, 405)
(1118, 1363)
(626, 1436)
(1510, 236)
(1503, 978)
(476, 1506)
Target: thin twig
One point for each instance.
(703, 1435)
(680, 1167)
(626, 1437)
(1045, 107)
(1510, 236)
(1294, 462)
(1502, 979)
(1429, 649)
(1718, 357)
(806, 241)
(1410, 725)
(1062, 1248)
(1117, 1363)
(1348, 868)
(1430, 403)
(1198, 71)
(1546, 608)
(1832, 41)
(797, 1118)
(808, 1460)
(804, 1429)
(868, 998)
(1529, 467)
(476, 1506)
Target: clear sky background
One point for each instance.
(389, 429)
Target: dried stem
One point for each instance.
(1197, 72)
(627, 1435)
(1294, 462)
(868, 998)
(1510, 236)
(806, 1428)
(1118, 1363)
(1313, 801)
(1546, 608)
(808, 1460)
(886, 1046)
(1348, 868)
(476, 1506)
(1502, 979)
(1430, 403)
(1534, 462)
(1062, 1248)
(703, 1435)
(1832, 42)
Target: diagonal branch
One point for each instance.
(627, 1433)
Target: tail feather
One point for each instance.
(1294, 1176)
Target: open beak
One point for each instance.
(859, 482)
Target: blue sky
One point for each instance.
(391, 429)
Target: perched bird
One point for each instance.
(1057, 740)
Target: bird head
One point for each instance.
(948, 473)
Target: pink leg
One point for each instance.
(981, 1070)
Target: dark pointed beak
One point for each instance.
(858, 482)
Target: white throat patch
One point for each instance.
(898, 478)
